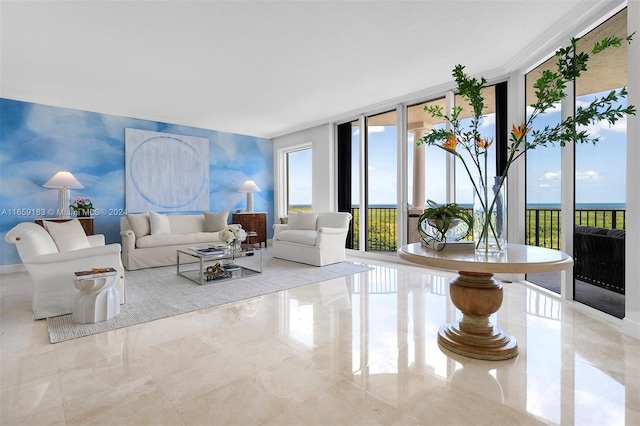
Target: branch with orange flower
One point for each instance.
(550, 89)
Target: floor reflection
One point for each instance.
(382, 328)
(360, 349)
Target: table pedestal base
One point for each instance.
(478, 296)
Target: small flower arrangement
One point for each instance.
(81, 204)
(233, 234)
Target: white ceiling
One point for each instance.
(261, 68)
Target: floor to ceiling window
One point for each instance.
(599, 184)
(463, 186)
(427, 171)
(543, 195)
(367, 180)
(600, 176)
(381, 182)
(368, 168)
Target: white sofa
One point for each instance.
(314, 238)
(51, 263)
(150, 239)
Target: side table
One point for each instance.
(256, 222)
(478, 295)
(97, 300)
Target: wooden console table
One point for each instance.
(86, 222)
(256, 222)
(478, 295)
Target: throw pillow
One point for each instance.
(291, 220)
(215, 221)
(159, 223)
(284, 220)
(303, 221)
(67, 235)
(139, 224)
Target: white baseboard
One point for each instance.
(11, 269)
(631, 329)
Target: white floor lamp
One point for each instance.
(63, 182)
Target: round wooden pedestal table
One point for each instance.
(478, 295)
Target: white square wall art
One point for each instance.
(165, 172)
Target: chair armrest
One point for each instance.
(66, 256)
(332, 237)
(325, 230)
(96, 240)
(279, 227)
(128, 240)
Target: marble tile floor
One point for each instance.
(591, 295)
(354, 350)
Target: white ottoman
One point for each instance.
(97, 300)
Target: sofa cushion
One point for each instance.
(68, 235)
(303, 221)
(215, 221)
(177, 239)
(186, 223)
(139, 224)
(159, 223)
(305, 237)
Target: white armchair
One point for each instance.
(52, 271)
(313, 238)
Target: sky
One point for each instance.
(300, 168)
(600, 168)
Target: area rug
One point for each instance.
(159, 293)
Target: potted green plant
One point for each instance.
(440, 223)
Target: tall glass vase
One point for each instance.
(490, 219)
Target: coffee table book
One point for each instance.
(208, 250)
(95, 273)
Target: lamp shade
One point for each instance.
(63, 180)
(249, 186)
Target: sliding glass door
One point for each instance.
(543, 225)
(598, 201)
(367, 180)
(381, 182)
(600, 176)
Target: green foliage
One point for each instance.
(441, 218)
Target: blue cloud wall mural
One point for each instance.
(36, 141)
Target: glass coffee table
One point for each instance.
(218, 265)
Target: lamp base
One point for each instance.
(249, 202)
(63, 203)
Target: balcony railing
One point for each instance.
(381, 229)
(542, 226)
